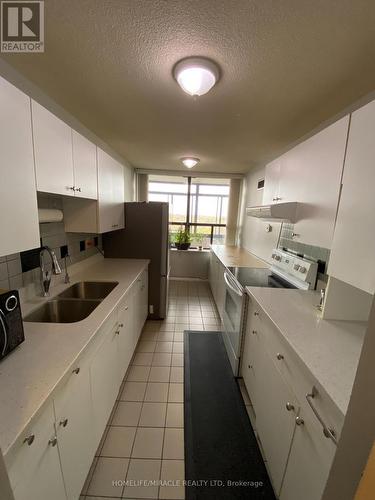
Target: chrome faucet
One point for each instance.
(45, 274)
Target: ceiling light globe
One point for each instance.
(190, 162)
(196, 75)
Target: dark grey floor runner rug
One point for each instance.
(219, 441)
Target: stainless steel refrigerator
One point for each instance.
(145, 237)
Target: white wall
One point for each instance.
(189, 264)
(253, 235)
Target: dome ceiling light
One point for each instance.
(190, 162)
(196, 75)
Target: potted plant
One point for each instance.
(182, 239)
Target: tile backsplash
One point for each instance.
(317, 254)
(22, 269)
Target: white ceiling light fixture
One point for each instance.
(196, 75)
(190, 162)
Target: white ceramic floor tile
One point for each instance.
(106, 471)
(164, 346)
(177, 374)
(173, 448)
(138, 374)
(178, 347)
(141, 474)
(127, 414)
(133, 391)
(178, 337)
(167, 327)
(159, 374)
(175, 415)
(118, 442)
(162, 359)
(157, 392)
(142, 359)
(146, 346)
(166, 336)
(176, 393)
(153, 415)
(148, 443)
(149, 336)
(177, 360)
(172, 470)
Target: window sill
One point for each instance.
(191, 250)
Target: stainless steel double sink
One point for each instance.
(73, 304)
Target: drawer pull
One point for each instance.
(126, 308)
(76, 370)
(299, 421)
(289, 406)
(328, 433)
(53, 441)
(64, 422)
(254, 332)
(29, 439)
(256, 314)
(121, 325)
(117, 332)
(279, 356)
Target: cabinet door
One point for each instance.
(309, 463)
(353, 249)
(271, 183)
(104, 381)
(85, 171)
(312, 176)
(144, 298)
(53, 152)
(18, 204)
(275, 424)
(110, 193)
(34, 470)
(74, 428)
(126, 338)
(220, 289)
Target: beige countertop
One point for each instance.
(29, 375)
(234, 256)
(329, 349)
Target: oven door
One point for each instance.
(233, 311)
(3, 334)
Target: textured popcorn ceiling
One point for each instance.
(287, 65)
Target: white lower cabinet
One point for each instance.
(298, 455)
(126, 336)
(76, 444)
(217, 283)
(105, 380)
(33, 462)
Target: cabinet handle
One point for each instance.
(76, 370)
(328, 433)
(29, 439)
(256, 314)
(299, 421)
(121, 325)
(126, 308)
(254, 332)
(53, 441)
(78, 189)
(279, 356)
(114, 225)
(70, 188)
(63, 422)
(117, 332)
(295, 235)
(289, 406)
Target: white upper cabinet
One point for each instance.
(110, 193)
(53, 152)
(353, 250)
(18, 203)
(310, 174)
(85, 171)
(314, 169)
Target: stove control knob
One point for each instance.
(296, 267)
(302, 270)
(278, 258)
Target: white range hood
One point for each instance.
(281, 212)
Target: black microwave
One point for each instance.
(11, 326)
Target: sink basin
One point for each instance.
(89, 290)
(62, 311)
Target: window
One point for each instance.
(197, 203)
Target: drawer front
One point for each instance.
(295, 373)
(24, 456)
